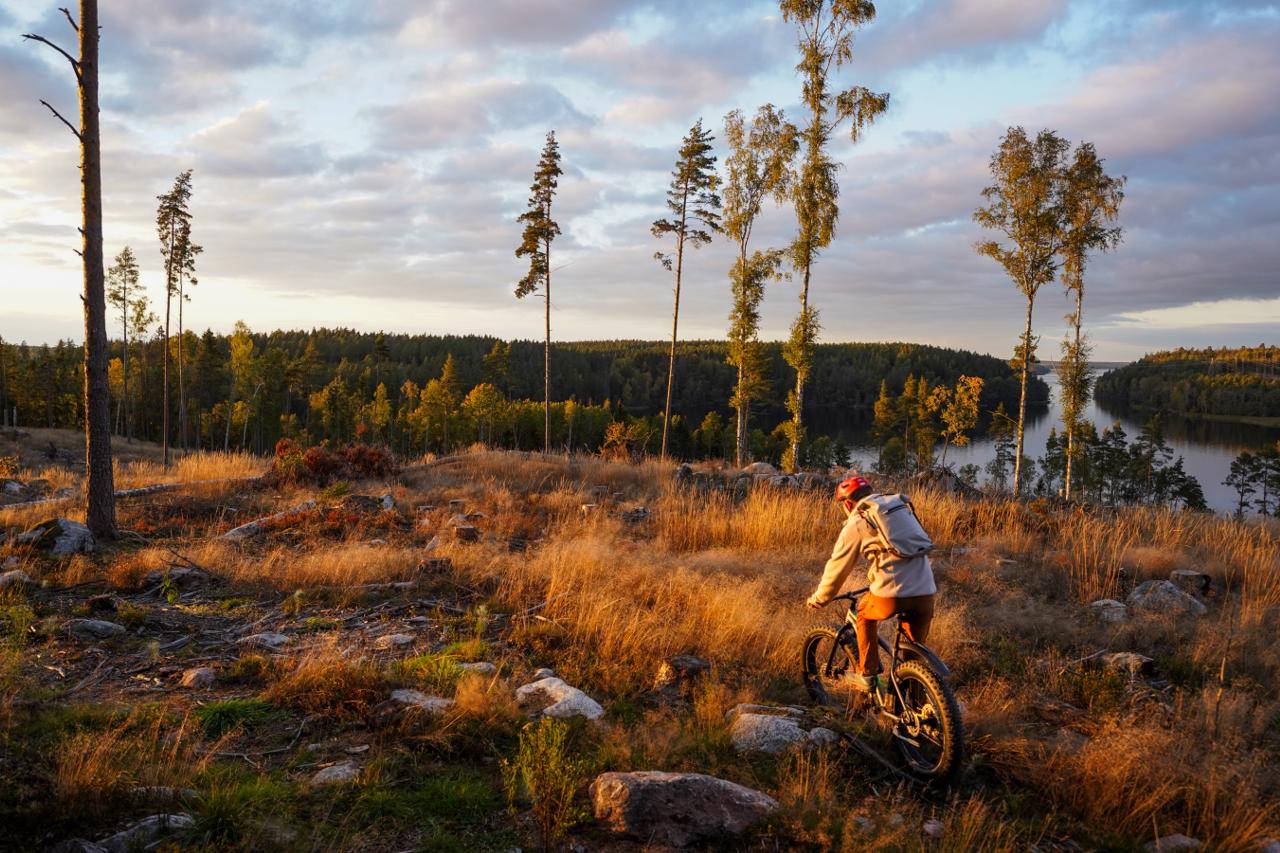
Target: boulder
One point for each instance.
(1171, 844)
(933, 828)
(60, 537)
(766, 733)
(146, 832)
(482, 667)
(336, 774)
(678, 676)
(1269, 845)
(1164, 598)
(94, 629)
(199, 677)
(637, 515)
(182, 577)
(1190, 581)
(1129, 664)
(387, 501)
(418, 699)
(76, 845)
(544, 672)
(560, 699)
(268, 640)
(760, 469)
(393, 641)
(15, 579)
(1108, 610)
(676, 809)
(819, 736)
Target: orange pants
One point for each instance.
(917, 615)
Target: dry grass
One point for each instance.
(97, 772)
(326, 681)
(344, 564)
(194, 467)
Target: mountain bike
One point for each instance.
(915, 701)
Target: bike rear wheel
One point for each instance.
(930, 733)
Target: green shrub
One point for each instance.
(546, 775)
(217, 718)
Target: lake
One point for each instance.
(1207, 448)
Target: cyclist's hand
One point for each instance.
(813, 603)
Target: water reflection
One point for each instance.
(1207, 447)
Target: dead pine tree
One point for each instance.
(100, 507)
(695, 208)
(539, 230)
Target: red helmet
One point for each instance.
(852, 488)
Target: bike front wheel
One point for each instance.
(930, 732)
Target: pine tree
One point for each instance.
(758, 166)
(695, 206)
(1025, 207)
(539, 231)
(173, 227)
(122, 279)
(825, 30)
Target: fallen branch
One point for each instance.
(134, 493)
(253, 528)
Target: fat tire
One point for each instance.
(810, 667)
(949, 719)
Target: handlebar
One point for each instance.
(851, 597)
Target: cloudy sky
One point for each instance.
(361, 164)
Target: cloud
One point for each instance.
(968, 30)
(472, 110)
(254, 144)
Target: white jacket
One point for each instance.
(890, 576)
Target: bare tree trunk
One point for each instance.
(128, 429)
(675, 323)
(1071, 427)
(182, 385)
(740, 445)
(100, 510)
(1022, 399)
(168, 299)
(546, 358)
(801, 377)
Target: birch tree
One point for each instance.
(1025, 207)
(825, 30)
(1090, 203)
(758, 167)
(539, 232)
(695, 210)
(100, 508)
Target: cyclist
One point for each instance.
(897, 585)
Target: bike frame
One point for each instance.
(903, 648)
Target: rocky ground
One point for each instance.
(407, 664)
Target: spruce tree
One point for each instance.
(539, 231)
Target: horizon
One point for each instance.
(368, 163)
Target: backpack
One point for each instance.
(894, 521)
